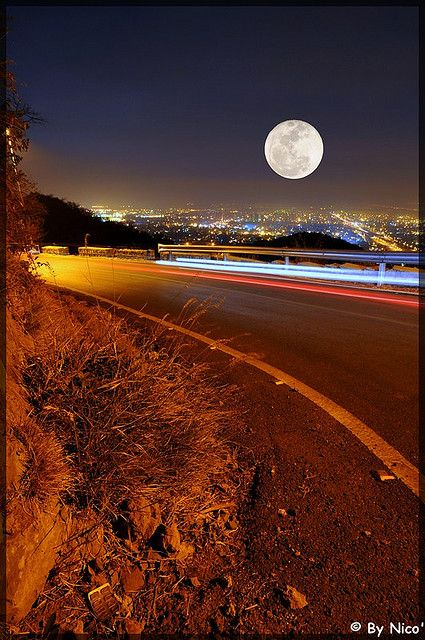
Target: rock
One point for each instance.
(186, 550)
(145, 517)
(383, 475)
(114, 577)
(171, 540)
(134, 626)
(296, 599)
(79, 627)
(282, 512)
(94, 545)
(31, 554)
(97, 579)
(132, 580)
(195, 582)
(154, 556)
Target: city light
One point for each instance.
(377, 228)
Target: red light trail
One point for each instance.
(335, 290)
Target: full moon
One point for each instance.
(294, 149)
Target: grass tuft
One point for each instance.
(133, 417)
(46, 470)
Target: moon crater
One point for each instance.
(294, 149)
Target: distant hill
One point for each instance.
(309, 240)
(67, 223)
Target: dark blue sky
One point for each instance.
(162, 106)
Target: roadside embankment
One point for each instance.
(221, 504)
(118, 452)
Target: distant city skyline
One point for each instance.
(388, 229)
(162, 106)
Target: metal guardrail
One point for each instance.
(410, 258)
(201, 256)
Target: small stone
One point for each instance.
(132, 580)
(133, 626)
(186, 550)
(383, 475)
(154, 556)
(195, 582)
(114, 578)
(145, 517)
(367, 533)
(282, 512)
(98, 579)
(171, 540)
(295, 598)
(79, 627)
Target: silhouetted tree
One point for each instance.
(68, 223)
(23, 211)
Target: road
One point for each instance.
(362, 352)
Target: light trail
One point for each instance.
(262, 281)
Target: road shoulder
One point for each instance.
(314, 517)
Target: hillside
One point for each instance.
(309, 240)
(119, 463)
(67, 223)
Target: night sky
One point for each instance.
(161, 106)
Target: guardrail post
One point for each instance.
(286, 260)
(381, 273)
(225, 257)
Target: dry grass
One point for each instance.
(111, 413)
(122, 409)
(46, 470)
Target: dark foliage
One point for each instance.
(309, 240)
(67, 223)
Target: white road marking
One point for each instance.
(393, 459)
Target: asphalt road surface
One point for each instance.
(362, 352)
